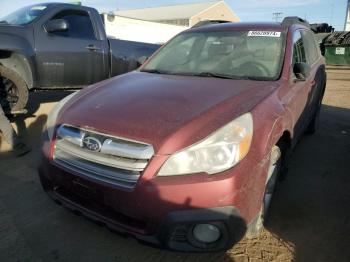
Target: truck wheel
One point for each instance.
(13, 90)
(315, 121)
(274, 171)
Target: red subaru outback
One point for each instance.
(185, 152)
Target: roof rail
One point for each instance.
(291, 20)
(210, 22)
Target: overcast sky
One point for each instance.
(330, 11)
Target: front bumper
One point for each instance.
(163, 210)
(172, 230)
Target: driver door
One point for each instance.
(70, 58)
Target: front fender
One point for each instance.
(277, 122)
(17, 54)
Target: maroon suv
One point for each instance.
(185, 152)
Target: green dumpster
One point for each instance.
(337, 48)
(337, 54)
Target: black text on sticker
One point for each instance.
(264, 33)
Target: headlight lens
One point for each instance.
(220, 151)
(52, 117)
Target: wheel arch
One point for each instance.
(281, 134)
(285, 141)
(17, 53)
(18, 63)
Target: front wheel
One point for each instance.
(315, 121)
(13, 90)
(274, 171)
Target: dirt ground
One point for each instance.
(309, 219)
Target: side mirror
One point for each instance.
(56, 25)
(141, 60)
(301, 71)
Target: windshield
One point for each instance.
(24, 15)
(228, 54)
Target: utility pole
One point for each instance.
(332, 12)
(347, 18)
(277, 16)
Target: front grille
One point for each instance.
(97, 156)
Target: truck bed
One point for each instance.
(125, 55)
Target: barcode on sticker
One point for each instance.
(264, 33)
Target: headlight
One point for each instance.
(218, 152)
(52, 117)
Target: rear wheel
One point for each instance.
(13, 90)
(274, 171)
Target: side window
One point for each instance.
(80, 25)
(298, 49)
(310, 46)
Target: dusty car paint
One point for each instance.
(165, 110)
(173, 112)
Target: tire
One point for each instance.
(315, 121)
(13, 90)
(275, 167)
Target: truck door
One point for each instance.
(74, 57)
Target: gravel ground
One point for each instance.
(310, 213)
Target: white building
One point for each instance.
(139, 30)
(183, 15)
(159, 24)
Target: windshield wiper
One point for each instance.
(205, 74)
(255, 78)
(209, 74)
(153, 71)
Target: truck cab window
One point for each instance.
(80, 25)
(298, 49)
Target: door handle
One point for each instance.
(93, 48)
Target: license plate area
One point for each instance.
(84, 191)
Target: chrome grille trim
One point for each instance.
(72, 135)
(108, 160)
(117, 161)
(112, 145)
(123, 149)
(98, 172)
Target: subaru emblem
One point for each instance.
(92, 143)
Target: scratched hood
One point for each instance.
(167, 111)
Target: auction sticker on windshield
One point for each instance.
(264, 33)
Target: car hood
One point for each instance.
(168, 111)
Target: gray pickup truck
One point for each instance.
(54, 46)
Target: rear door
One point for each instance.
(71, 58)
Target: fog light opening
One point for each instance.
(206, 233)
